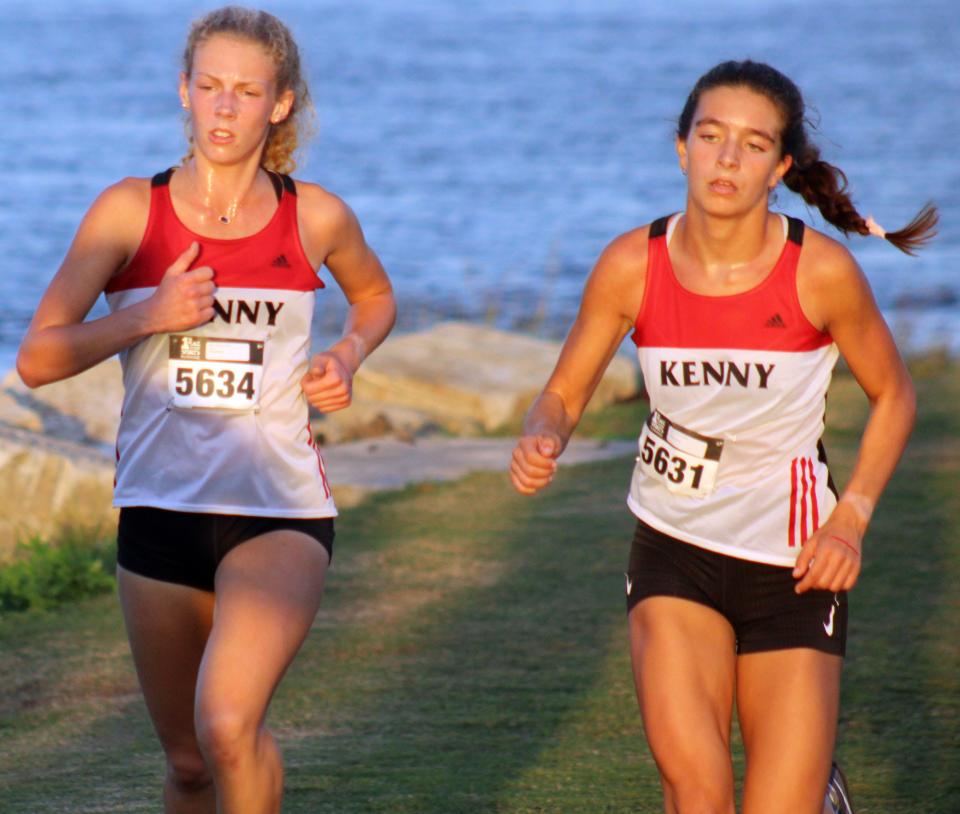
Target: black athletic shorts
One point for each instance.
(187, 547)
(757, 599)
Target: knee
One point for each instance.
(187, 771)
(225, 738)
(697, 795)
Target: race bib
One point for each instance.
(685, 461)
(218, 374)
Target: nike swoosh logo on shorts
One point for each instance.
(828, 625)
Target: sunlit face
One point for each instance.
(232, 97)
(732, 152)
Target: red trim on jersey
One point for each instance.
(766, 317)
(803, 502)
(803, 494)
(813, 498)
(323, 471)
(793, 503)
(116, 449)
(271, 258)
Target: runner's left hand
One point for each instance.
(830, 559)
(328, 384)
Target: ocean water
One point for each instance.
(492, 149)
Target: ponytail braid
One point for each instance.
(825, 186)
(819, 184)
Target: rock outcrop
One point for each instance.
(50, 484)
(84, 408)
(57, 441)
(463, 378)
(56, 454)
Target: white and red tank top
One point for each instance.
(214, 419)
(730, 455)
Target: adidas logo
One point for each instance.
(776, 321)
(280, 262)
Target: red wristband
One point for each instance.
(841, 540)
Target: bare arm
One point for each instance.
(372, 312)
(838, 296)
(58, 342)
(610, 303)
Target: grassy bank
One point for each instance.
(41, 575)
(471, 655)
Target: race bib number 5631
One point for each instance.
(685, 461)
(221, 374)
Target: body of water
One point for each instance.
(492, 149)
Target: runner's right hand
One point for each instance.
(534, 462)
(184, 298)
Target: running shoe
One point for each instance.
(838, 795)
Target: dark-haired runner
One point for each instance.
(226, 525)
(744, 550)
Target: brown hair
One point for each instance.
(267, 31)
(819, 184)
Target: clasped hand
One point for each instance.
(534, 462)
(328, 383)
(830, 559)
(184, 297)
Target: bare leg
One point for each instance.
(788, 702)
(684, 659)
(268, 591)
(168, 625)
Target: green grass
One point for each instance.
(471, 656)
(44, 575)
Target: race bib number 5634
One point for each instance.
(221, 374)
(685, 461)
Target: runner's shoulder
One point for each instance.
(127, 192)
(826, 263)
(315, 201)
(622, 265)
(617, 279)
(121, 210)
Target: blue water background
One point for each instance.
(492, 149)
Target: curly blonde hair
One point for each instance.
(267, 31)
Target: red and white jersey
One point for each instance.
(214, 419)
(730, 455)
